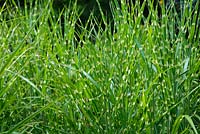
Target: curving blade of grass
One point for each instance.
(24, 121)
(27, 80)
(10, 62)
(178, 122)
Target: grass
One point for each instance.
(144, 78)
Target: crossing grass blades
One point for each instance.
(139, 75)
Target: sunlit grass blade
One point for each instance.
(27, 119)
(178, 122)
(10, 63)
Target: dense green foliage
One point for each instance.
(142, 78)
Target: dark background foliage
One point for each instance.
(86, 7)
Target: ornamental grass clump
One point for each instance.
(138, 75)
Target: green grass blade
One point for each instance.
(27, 119)
(189, 119)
